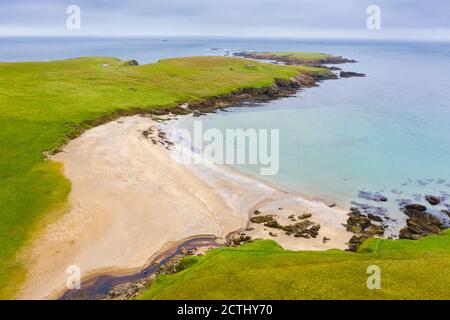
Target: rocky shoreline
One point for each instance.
(367, 221)
(281, 88)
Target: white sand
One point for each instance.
(129, 200)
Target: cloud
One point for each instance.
(222, 17)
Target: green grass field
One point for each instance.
(44, 103)
(263, 270)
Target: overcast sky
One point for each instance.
(284, 18)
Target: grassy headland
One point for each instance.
(297, 58)
(307, 56)
(263, 270)
(43, 104)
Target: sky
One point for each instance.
(400, 19)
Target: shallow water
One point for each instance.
(388, 132)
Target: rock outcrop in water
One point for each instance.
(349, 74)
(372, 196)
(420, 223)
(433, 200)
(369, 209)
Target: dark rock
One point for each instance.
(420, 224)
(197, 114)
(359, 220)
(366, 208)
(447, 212)
(131, 63)
(433, 200)
(333, 68)
(244, 238)
(413, 212)
(372, 196)
(407, 235)
(349, 74)
(273, 224)
(256, 212)
(374, 230)
(303, 229)
(363, 228)
(374, 218)
(356, 241)
(417, 207)
(325, 240)
(302, 80)
(355, 229)
(261, 219)
(305, 216)
(302, 235)
(236, 241)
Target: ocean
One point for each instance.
(387, 133)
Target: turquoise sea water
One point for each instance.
(387, 133)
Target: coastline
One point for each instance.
(108, 198)
(387, 146)
(123, 210)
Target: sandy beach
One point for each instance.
(129, 200)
